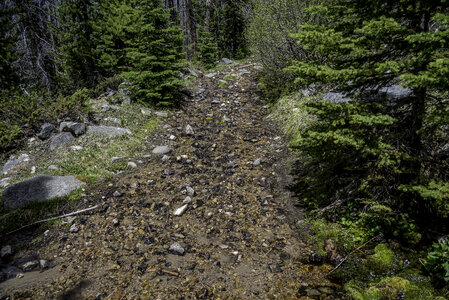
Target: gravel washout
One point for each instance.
(235, 239)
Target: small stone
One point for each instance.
(73, 228)
(20, 276)
(172, 137)
(326, 290)
(11, 163)
(4, 182)
(226, 61)
(313, 293)
(106, 107)
(115, 222)
(189, 130)
(181, 210)
(256, 162)
(187, 200)
(60, 140)
(145, 111)
(190, 190)
(167, 126)
(117, 194)
(46, 131)
(231, 165)
(47, 232)
(161, 150)
(165, 158)
(226, 119)
(76, 148)
(74, 128)
(176, 249)
(235, 253)
(132, 165)
(161, 114)
(69, 220)
(6, 251)
(29, 266)
(43, 264)
(52, 167)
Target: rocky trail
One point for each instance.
(207, 217)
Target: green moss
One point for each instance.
(392, 288)
(383, 255)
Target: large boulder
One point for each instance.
(46, 131)
(39, 188)
(12, 162)
(61, 140)
(108, 130)
(74, 128)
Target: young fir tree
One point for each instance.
(371, 153)
(207, 50)
(155, 54)
(76, 44)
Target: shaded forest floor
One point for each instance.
(237, 237)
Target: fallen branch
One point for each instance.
(356, 249)
(51, 219)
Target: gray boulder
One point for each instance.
(396, 92)
(161, 114)
(61, 140)
(39, 188)
(161, 150)
(76, 129)
(11, 163)
(108, 130)
(46, 131)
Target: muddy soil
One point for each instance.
(237, 236)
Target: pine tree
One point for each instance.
(8, 76)
(110, 30)
(155, 54)
(207, 50)
(370, 151)
(76, 44)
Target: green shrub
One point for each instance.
(437, 262)
(112, 83)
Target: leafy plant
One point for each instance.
(437, 262)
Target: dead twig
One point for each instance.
(51, 219)
(356, 249)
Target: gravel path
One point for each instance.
(207, 220)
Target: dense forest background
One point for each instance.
(360, 87)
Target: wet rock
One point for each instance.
(161, 150)
(257, 162)
(11, 163)
(39, 188)
(61, 140)
(108, 130)
(74, 128)
(181, 210)
(176, 249)
(4, 182)
(6, 251)
(73, 228)
(189, 130)
(29, 266)
(46, 131)
(161, 114)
